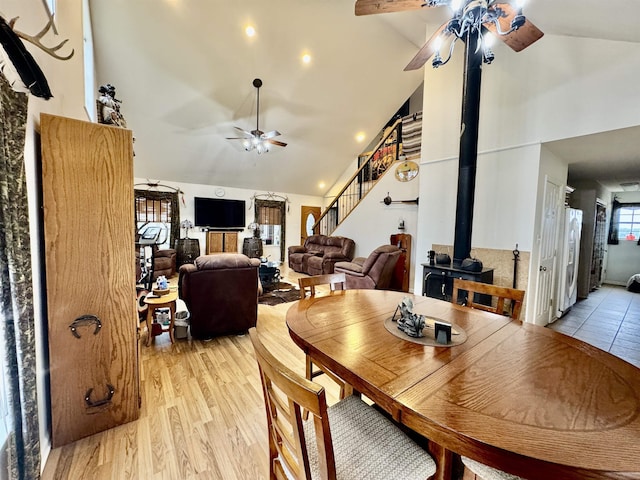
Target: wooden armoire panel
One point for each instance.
(221, 242)
(401, 272)
(87, 187)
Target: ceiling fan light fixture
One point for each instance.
(257, 139)
(475, 17)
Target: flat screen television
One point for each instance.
(217, 213)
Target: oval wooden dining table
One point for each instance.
(515, 396)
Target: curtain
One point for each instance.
(271, 212)
(613, 226)
(159, 207)
(16, 314)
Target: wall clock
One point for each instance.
(220, 192)
(407, 170)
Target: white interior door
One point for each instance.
(547, 255)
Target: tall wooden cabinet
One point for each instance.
(87, 192)
(401, 272)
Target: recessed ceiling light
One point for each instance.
(306, 58)
(250, 31)
(321, 185)
(360, 136)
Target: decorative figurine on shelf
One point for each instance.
(109, 109)
(410, 323)
(187, 225)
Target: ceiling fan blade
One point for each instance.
(518, 39)
(244, 132)
(276, 142)
(271, 134)
(427, 50)
(369, 7)
(235, 138)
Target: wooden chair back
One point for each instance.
(499, 293)
(335, 281)
(286, 394)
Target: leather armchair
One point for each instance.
(164, 262)
(221, 293)
(375, 271)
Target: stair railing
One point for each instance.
(385, 153)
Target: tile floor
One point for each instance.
(608, 319)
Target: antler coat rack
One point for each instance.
(156, 185)
(269, 196)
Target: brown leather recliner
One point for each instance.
(319, 254)
(375, 271)
(221, 293)
(164, 262)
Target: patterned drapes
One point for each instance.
(16, 310)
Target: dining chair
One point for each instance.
(485, 472)
(347, 440)
(335, 281)
(501, 293)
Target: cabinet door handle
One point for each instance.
(103, 401)
(85, 320)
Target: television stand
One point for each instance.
(221, 241)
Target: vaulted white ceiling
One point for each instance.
(184, 70)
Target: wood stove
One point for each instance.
(437, 281)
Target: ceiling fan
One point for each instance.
(502, 18)
(257, 139)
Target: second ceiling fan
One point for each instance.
(500, 17)
(257, 139)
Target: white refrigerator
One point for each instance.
(568, 255)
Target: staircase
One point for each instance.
(370, 170)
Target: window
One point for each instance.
(625, 222)
(270, 215)
(629, 223)
(157, 217)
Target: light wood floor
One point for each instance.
(202, 413)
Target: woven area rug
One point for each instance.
(283, 292)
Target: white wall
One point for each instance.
(293, 221)
(557, 88)
(623, 260)
(372, 222)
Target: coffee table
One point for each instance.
(269, 273)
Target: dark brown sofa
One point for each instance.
(319, 254)
(221, 293)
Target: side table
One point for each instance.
(188, 249)
(164, 301)
(252, 247)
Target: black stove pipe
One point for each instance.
(468, 148)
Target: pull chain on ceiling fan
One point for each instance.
(257, 139)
